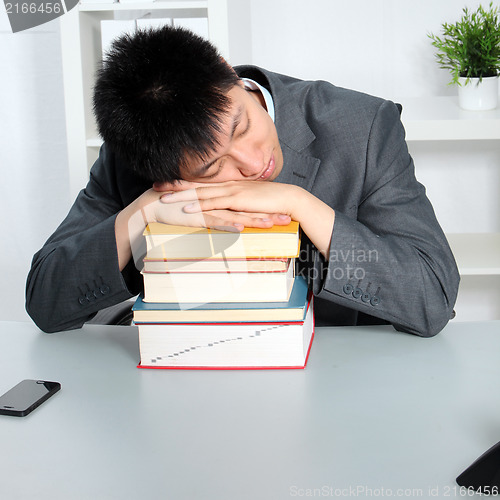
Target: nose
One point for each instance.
(247, 159)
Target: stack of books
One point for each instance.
(218, 299)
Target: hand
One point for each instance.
(284, 201)
(247, 197)
(153, 210)
(131, 221)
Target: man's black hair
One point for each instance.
(161, 94)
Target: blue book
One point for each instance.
(226, 312)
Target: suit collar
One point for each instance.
(294, 133)
(292, 126)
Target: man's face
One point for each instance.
(248, 145)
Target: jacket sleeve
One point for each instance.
(390, 259)
(76, 272)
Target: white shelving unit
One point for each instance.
(441, 119)
(476, 254)
(81, 54)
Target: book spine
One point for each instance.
(219, 323)
(150, 367)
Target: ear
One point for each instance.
(229, 66)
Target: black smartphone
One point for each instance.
(24, 397)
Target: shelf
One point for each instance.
(441, 119)
(476, 253)
(95, 142)
(161, 5)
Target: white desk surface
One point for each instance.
(376, 413)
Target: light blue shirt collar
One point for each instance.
(268, 99)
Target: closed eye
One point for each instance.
(247, 128)
(217, 172)
(221, 161)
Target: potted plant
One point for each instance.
(470, 49)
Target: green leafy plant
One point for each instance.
(470, 48)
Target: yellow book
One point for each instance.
(165, 241)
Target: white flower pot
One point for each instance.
(477, 96)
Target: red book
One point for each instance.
(250, 345)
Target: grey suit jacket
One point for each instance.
(389, 260)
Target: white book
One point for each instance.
(214, 265)
(240, 286)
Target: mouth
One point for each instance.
(269, 169)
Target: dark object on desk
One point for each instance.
(24, 397)
(484, 474)
(119, 314)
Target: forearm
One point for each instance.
(388, 257)
(409, 281)
(76, 273)
(71, 279)
(129, 227)
(316, 218)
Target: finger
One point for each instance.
(250, 219)
(261, 220)
(193, 190)
(256, 215)
(281, 219)
(174, 214)
(222, 224)
(194, 207)
(205, 205)
(240, 218)
(176, 197)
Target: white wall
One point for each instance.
(34, 185)
(375, 46)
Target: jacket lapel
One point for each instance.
(299, 168)
(295, 136)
